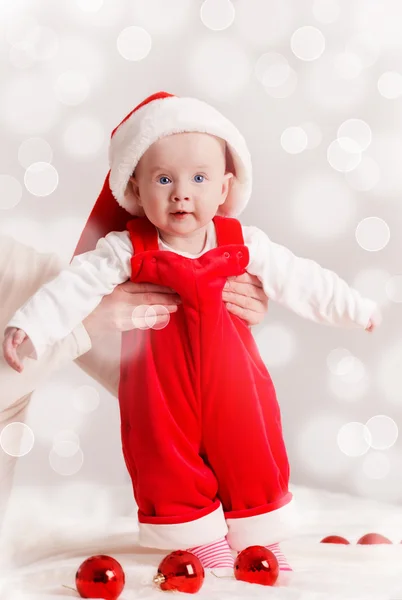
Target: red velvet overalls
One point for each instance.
(201, 426)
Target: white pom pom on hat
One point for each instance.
(165, 114)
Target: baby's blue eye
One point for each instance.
(202, 178)
(165, 178)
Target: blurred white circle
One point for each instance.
(28, 105)
(335, 360)
(86, 398)
(83, 137)
(65, 448)
(354, 439)
(376, 465)
(157, 316)
(390, 85)
(161, 17)
(66, 435)
(138, 317)
(365, 176)
(343, 155)
(277, 345)
(365, 45)
(89, 6)
(372, 234)
(263, 23)
(294, 140)
(326, 88)
(17, 439)
(217, 14)
(34, 150)
(349, 385)
(218, 67)
(43, 43)
(323, 206)
(41, 179)
(314, 134)
(272, 69)
(72, 88)
(351, 370)
(358, 131)
(393, 288)
(383, 431)
(66, 465)
(390, 374)
(371, 283)
(285, 89)
(317, 447)
(348, 65)
(325, 11)
(134, 43)
(10, 192)
(307, 43)
(389, 489)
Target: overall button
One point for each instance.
(240, 254)
(226, 255)
(153, 260)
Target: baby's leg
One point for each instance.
(245, 449)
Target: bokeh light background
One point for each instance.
(316, 88)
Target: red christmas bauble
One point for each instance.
(257, 564)
(374, 538)
(181, 571)
(334, 539)
(100, 576)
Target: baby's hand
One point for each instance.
(375, 321)
(13, 338)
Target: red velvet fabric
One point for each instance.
(200, 420)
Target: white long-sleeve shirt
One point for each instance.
(300, 284)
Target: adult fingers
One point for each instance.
(251, 317)
(137, 288)
(245, 289)
(243, 301)
(152, 298)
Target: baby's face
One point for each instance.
(180, 181)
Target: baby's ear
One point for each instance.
(227, 182)
(132, 182)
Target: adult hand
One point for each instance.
(115, 311)
(245, 298)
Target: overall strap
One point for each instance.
(228, 231)
(143, 234)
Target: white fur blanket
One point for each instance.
(49, 532)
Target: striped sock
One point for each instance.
(214, 555)
(283, 563)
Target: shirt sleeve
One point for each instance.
(303, 286)
(61, 304)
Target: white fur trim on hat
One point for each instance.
(166, 116)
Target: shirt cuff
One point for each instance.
(82, 339)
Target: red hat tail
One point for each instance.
(106, 216)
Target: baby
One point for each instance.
(200, 422)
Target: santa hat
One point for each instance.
(157, 116)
